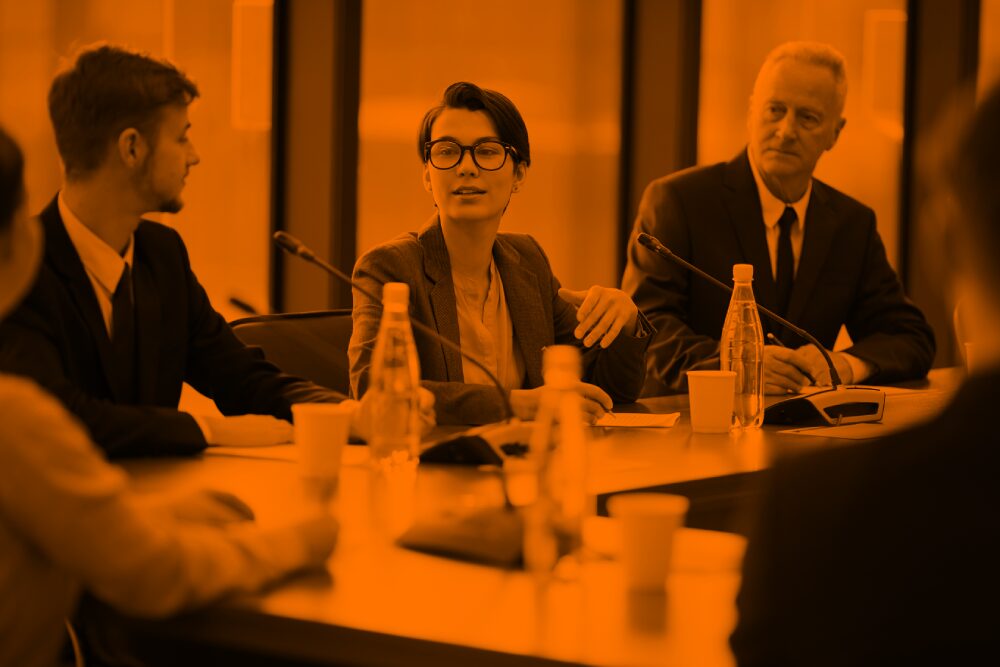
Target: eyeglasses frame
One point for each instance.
(471, 149)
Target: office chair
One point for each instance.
(311, 345)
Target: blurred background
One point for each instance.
(310, 108)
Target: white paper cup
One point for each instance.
(648, 524)
(321, 431)
(710, 395)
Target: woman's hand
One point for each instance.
(602, 313)
(363, 423)
(595, 402)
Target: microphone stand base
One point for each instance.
(829, 407)
(490, 444)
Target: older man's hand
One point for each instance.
(820, 370)
(784, 370)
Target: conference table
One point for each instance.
(720, 474)
(381, 604)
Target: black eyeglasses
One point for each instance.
(488, 155)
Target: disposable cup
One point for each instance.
(710, 396)
(321, 431)
(648, 522)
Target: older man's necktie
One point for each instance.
(785, 275)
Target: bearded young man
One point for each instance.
(117, 320)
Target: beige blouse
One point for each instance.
(487, 333)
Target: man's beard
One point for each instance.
(159, 203)
(172, 205)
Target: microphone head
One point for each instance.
(652, 243)
(292, 245)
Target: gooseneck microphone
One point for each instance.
(838, 405)
(653, 243)
(293, 246)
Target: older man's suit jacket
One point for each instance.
(711, 216)
(883, 553)
(538, 315)
(58, 337)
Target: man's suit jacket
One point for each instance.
(58, 337)
(538, 315)
(711, 216)
(881, 553)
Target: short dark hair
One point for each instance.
(505, 116)
(11, 180)
(973, 173)
(108, 90)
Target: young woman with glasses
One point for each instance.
(491, 292)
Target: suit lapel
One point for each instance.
(62, 258)
(437, 266)
(524, 303)
(147, 308)
(743, 202)
(820, 228)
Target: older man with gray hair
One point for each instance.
(886, 554)
(817, 255)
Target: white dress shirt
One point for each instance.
(102, 263)
(773, 208)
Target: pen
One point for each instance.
(774, 339)
(777, 341)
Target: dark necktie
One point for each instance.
(123, 336)
(785, 275)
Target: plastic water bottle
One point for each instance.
(394, 447)
(558, 448)
(742, 349)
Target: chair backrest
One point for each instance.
(310, 345)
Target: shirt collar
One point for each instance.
(772, 207)
(99, 259)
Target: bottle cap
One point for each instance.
(561, 362)
(395, 294)
(742, 272)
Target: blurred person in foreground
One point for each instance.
(118, 321)
(886, 553)
(492, 292)
(817, 255)
(69, 521)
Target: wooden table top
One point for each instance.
(641, 458)
(379, 604)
